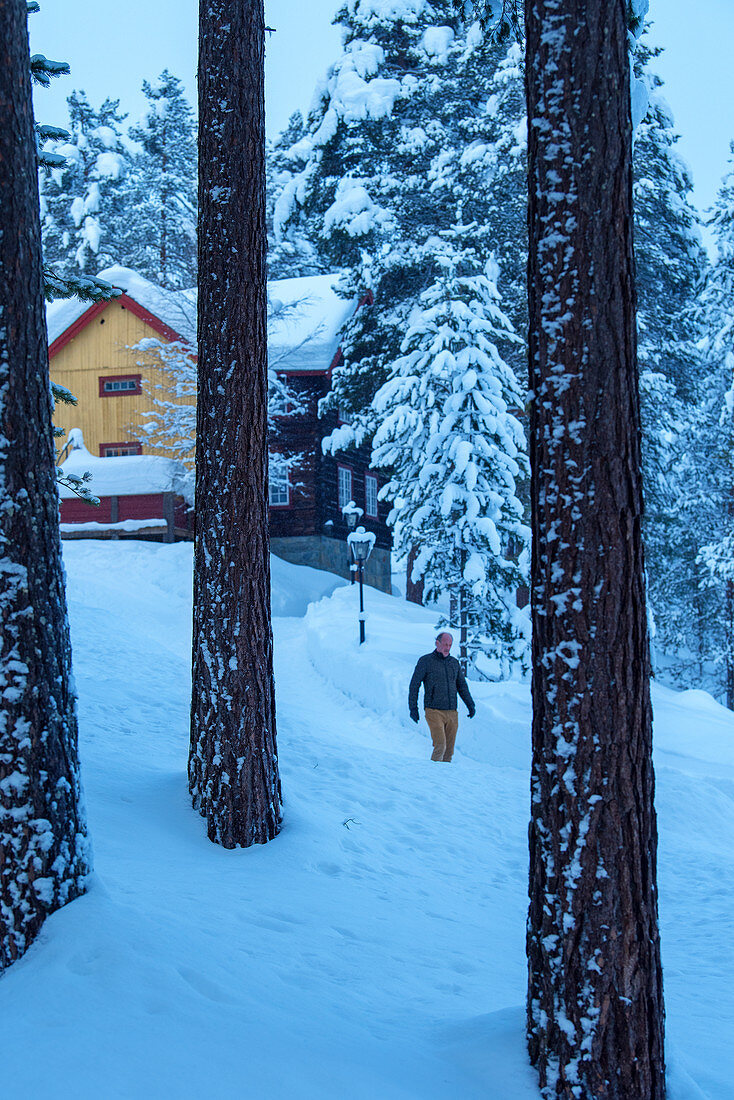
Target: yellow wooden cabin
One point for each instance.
(93, 353)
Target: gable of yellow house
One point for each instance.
(94, 353)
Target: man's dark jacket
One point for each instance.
(442, 678)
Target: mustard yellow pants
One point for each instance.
(443, 725)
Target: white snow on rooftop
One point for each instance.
(124, 475)
(177, 309)
(61, 314)
(305, 319)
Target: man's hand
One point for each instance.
(414, 715)
(472, 711)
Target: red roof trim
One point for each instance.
(301, 373)
(89, 315)
(150, 318)
(80, 323)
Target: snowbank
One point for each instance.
(294, 587)
(376, 947)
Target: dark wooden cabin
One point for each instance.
(307, 524)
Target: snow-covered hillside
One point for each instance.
(375, 949)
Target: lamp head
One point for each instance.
(361, 543)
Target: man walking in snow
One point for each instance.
(442, 679)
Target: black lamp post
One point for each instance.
(361, 543)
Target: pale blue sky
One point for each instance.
(113, 48)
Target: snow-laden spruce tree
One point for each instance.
(294, 254)
(485, 165)
(410, 120)
(44, 849)
(671, 266)
(73, 285)
(670, 258)
(80, 198)
(449, 433)
(156, 236)
(363, 198)
(717, 427)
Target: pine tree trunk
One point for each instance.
(44, 853)
(453, 608)
(595, 1002)
(463, 656)
(233, 768)
(164, 213)
(413, 589)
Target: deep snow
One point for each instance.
(376, 947)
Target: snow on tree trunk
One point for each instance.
(413, 589)
(595, 1002)
(233, 769)
(44, 852)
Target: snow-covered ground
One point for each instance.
(375, 949)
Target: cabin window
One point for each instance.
(344, 486)
(279, 486)
(117, 450)
(370, 496)
(119, 385)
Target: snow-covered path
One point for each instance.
(376, 948)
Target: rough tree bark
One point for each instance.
(233, 767)
(44, 853)
(413, 589)
(595, 1002)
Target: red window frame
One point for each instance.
(375, 514)
(104, 378)
(275, 454)
(130, 447)
(350, 471)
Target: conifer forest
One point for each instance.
(229, 864)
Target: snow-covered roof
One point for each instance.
(305, 319)
(123, 476)
(177, 309)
